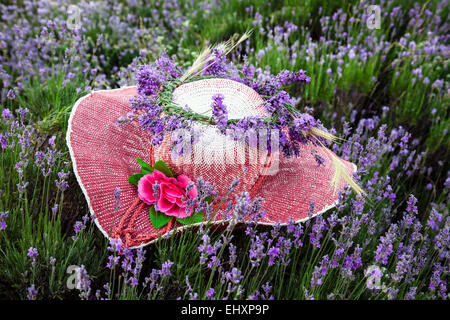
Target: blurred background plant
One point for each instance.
(386, 91)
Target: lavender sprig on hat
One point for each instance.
(156, 112)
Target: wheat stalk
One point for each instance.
(207, 55)
(340, 170)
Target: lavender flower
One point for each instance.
(435, 219)
(33, 254)
(62, 184)
(79, 226)
(385, 248)
(3, 218)
(264, 294)
(149, 80)
(374, 275)
(117, 192)
(168, 67)
(32, 293)
(316, 279)
(7, 115)
(210, 294)
(209, 252)
(165, 269)
(411, 294)
(217, 66)
(11, 94)
(83, 283)
(219, 111)
(256, 251)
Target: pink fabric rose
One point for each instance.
(171, 190)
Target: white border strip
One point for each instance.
(177, 229)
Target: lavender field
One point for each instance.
(381, 85)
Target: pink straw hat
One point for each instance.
(104, 156)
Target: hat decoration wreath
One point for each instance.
(160, 141)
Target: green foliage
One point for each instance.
(157, 218)
(365, 86)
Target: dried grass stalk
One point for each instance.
(207, 55)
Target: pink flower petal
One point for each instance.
(175, 211)
(183, 181)
(145, 189)
(158, 175)
(174, 192)
(170, 195)
(171, 192)
(164, 205)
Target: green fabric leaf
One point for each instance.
(161, 166)
(194, 218)
(134, 179)
(157, 218)
(144, 172)
(145, 166)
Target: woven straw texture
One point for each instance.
(104, 156)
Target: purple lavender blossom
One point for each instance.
(7, 115)
(385, 248)
(286, 77)
(374, 275)
(51, 141)
(83, 282)
(257, 249)
(32, 293)
(33, 254)
(3, 218)
(264, 294)
(210, 294)
(277, 102)
(149, 80)
(218, 65)
(117, 192)
(11, 94)
(165, 269)
(219, 111)
(168, 67)
(411, 294)
(435, 219)
(80, 226)
(62, 183)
